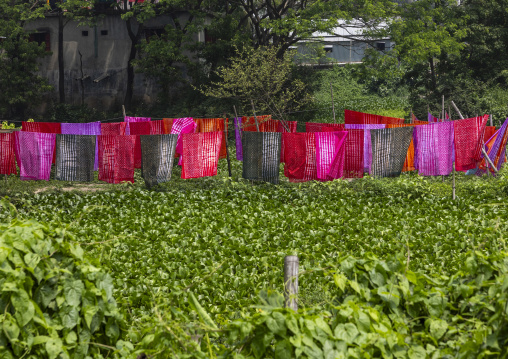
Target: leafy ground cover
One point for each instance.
(224, 240)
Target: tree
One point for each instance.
(261, 76)
(20, 86)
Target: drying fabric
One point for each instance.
(367, 144)
(329, 145)
(92, 128)
(360, 118)
(137, 129)
(283, 127)
(432, 119)
(409, 163)
(249, 123)
(213, 125)
(495, 148)
(319, 127)
(157, 152)
(300, 156)
(7, 156)
(489, 132)
(468, 140)
(237, 122)
(75, 157)
(113, 129)
(129, 119)
(391, 120)
(167, 124)
(200, 154)
(261, 158)
(157, 127)
(42, 127)
(434, 149)
(180, 127)
(34, 151)
(389, 150)
(354, 155)
(116, 158)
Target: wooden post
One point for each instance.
(123, 110)
(226, 139)
(291, 264)
(333, 105)
(255, 117)
(457, 109)
(453, 185)
(491, 120)
(411, 116)
(442, 111)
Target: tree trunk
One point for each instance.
(130, 68)
(61, 76)
(432, 73)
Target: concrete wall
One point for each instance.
(103, 61)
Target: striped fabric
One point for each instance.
(182, 126)
(167, 124)
(137, 129)
(113, 129)
(34, 152)
(92, 128)
(129, 119)
(75, 157)
(434, 149)
(330, 150)
(300, 156)
(495, 148)
(157, 152)
(116, 158)
(261, 156)
(7, 156)
(389, 150)
(213, 125)
(42, 127)
(157, 127)
(468, 140)
(354, 156)
(319, 127)
(367, 144)
(200, 154)
(409, 163)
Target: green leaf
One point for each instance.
(346, 332)
(11, 329)
(73, 289)
(276, 324)
(54, 347)
(69, 316)
(437, 328)
(24, 307)
(112, 329)
(283, 349)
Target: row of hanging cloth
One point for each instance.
(324, 152)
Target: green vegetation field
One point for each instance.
(192, 259)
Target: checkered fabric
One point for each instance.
(113, 129)
(468, 140)
(300, 156)
(330, 151)
(389, 150)
(34, 153)
(200, 154)
(433, 145)
(182, 126)
(75, 157)
(354, 155)
(116, 158)
(261, 156)
(92, 128)
(157, 152)
(7, 156)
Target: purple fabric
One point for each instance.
(92, 128)
(367, 145)
(432, 119)
(238, 138)
(34, 152)
(134, 119)
(495, 148)
(433, 145)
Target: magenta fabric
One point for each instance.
(134, 119)
(328, 147)
(34, 152)
(432, 119)
(433, 145)
(367, 143)
(238, 138)
(92, 128)
(182, 126)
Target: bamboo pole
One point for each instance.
(457, 109)
(291, 264)
(124, 113)
(442, 111)
(491, 120)
(255, 117)
(333, 105)
(453, 182)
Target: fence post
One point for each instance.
(291, 264)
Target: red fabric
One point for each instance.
(489, 132)
(7, 156)
(319, 127)
(116, 158)
(213, 125)
(292, 125)
(249, 123)
(157, 127)
(468, 140)
(201, 154)
(353, 153)
(167, 124)
(300, 156)
(42, 127)
(139, 128)
(361, 118)
(391, 120)
(113, 129)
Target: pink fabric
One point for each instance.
(129, 119)
(200, 154)
(182, 126)
(433, 145)
(468, 140)
(367, 143)
(34, 152)
(329, 145)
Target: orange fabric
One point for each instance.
(249, 123)
(489, 132)
(409, 163)
(213, 125)
(167, 124)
